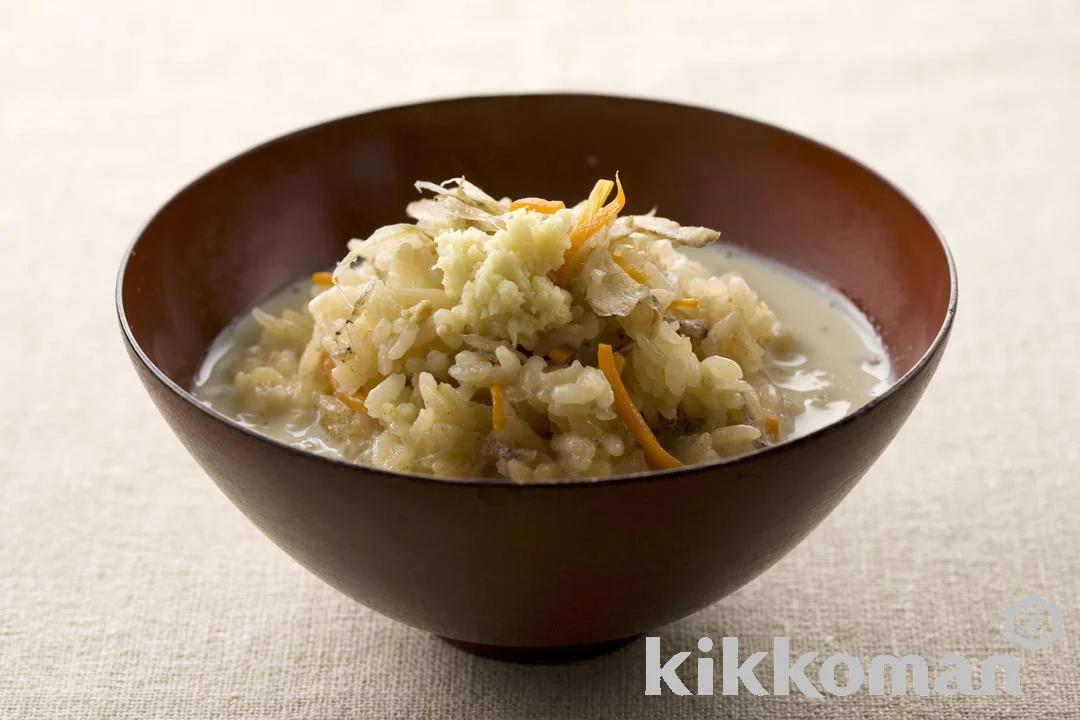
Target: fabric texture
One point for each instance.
(131, 588)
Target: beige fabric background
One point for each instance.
(130, 587)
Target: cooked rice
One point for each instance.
(423, 319)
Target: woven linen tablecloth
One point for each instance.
(131, 588)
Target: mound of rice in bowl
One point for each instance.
(525, 340)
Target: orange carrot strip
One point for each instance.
(685, 303)
(772, 428)
(498, 408)
(561, 353)
(322, 278)
(657, 457)
(354, 401)
(630, 270)
(587, 227)
(620, 363)
(539, 205)
(593, 217)
(597, 198)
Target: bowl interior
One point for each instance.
(288, 207)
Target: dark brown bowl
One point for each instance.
(514, 569)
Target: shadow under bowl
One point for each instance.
(504, 568)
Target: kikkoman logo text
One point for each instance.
(1032, 623)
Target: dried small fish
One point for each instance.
(673, 231)
(694, 329)
(465, 191)
(609, 289)
(433, 214)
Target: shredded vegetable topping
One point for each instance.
(593, 203)
(630, 270)
(561, 354)
(593, 216)
(657, 457)
(537, 205)
(772, 428)
(585, 229)
(685, 303)
(620, 363)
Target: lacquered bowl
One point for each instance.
(533, 571)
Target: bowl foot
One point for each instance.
(541, 655)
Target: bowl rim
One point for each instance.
(643, 476)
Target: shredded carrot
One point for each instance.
(539, 205)
(561, 353)
(630, 270)
(498, 408)
(322, 278)
(354, 401)
(685, 303)
(620, 363)
(657, 457)
(586, 227)
(772, 428)
(597, 198)
(594, 217)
